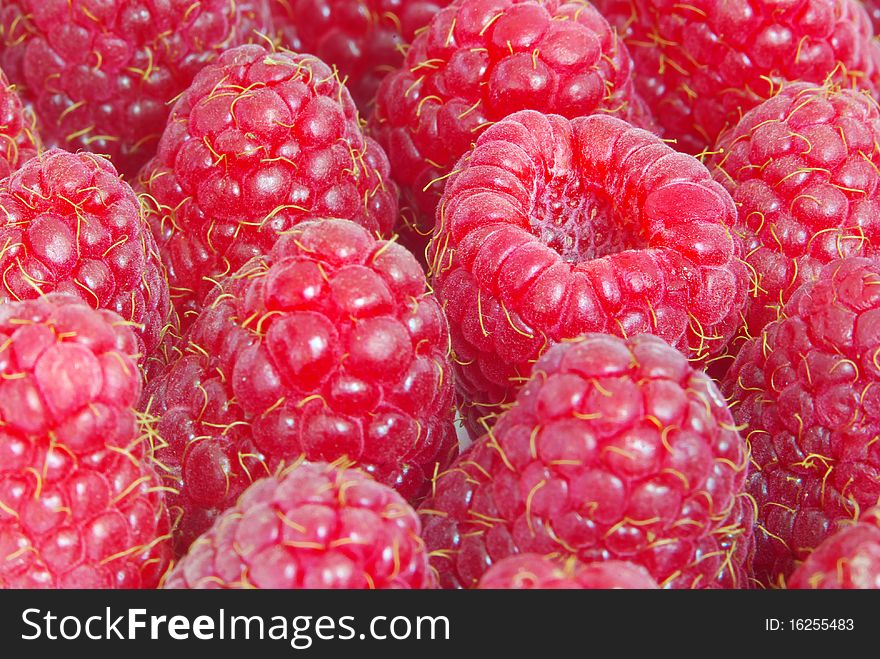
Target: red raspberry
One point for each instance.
(553, 228)
(68, 223)
(848, 559)
(700, 65)
(316, 526)
(260, 141)
(481, 60)
(530, 571)
(100, 74)
(330, 346)
(807, 393)
(615, 449)
(364, 39)
(18, 138)
(804, 171)
(80, 507)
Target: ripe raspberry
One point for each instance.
(481, 60)
(807, 392)
(365, 40)
(804, 171)
(315, 526)
(260, 141)
(848, 559)
(328, 347)
(80, 507)
(700, 65)
(68, 223)
(18, 139)
(615, 449)
(530, 571)
(100, 75)
(553, 228)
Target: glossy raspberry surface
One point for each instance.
(804, 171)
(533, 571)
(331, 346)
(807, 394)
(315, 526)
(364, 40)
(100, 74)
(700, 65)
(69, 224)
(849, 559)
(260, 141)
(614, 450)
(552, 228)
(481, 60)
(80, 505)
(18, 139)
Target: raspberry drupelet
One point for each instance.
(18, 137)
(260, 141)
(614, 450)
(531, 571)
(701, 65)
(807, 395)
(69, 224)
(804, 170)
(481, 60)
(551, 228)
(365, 40)
(80, 503)
(330, 346)
(316, 525)
(849, 559)
(100, 75)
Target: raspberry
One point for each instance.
(69, 224)
(100, 75)
(701, 65)
(316, 526)
(481, 60)
(848, 559)
(260, 141)
(80, 507)
(18, 139)
(553, 228)
(328, 347)
(803, 170)
(614, 450)
(365, 39)
(807, 392)
(530, 571)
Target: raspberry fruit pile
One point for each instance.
(461, 294)
(328, 347)
(260, 141)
